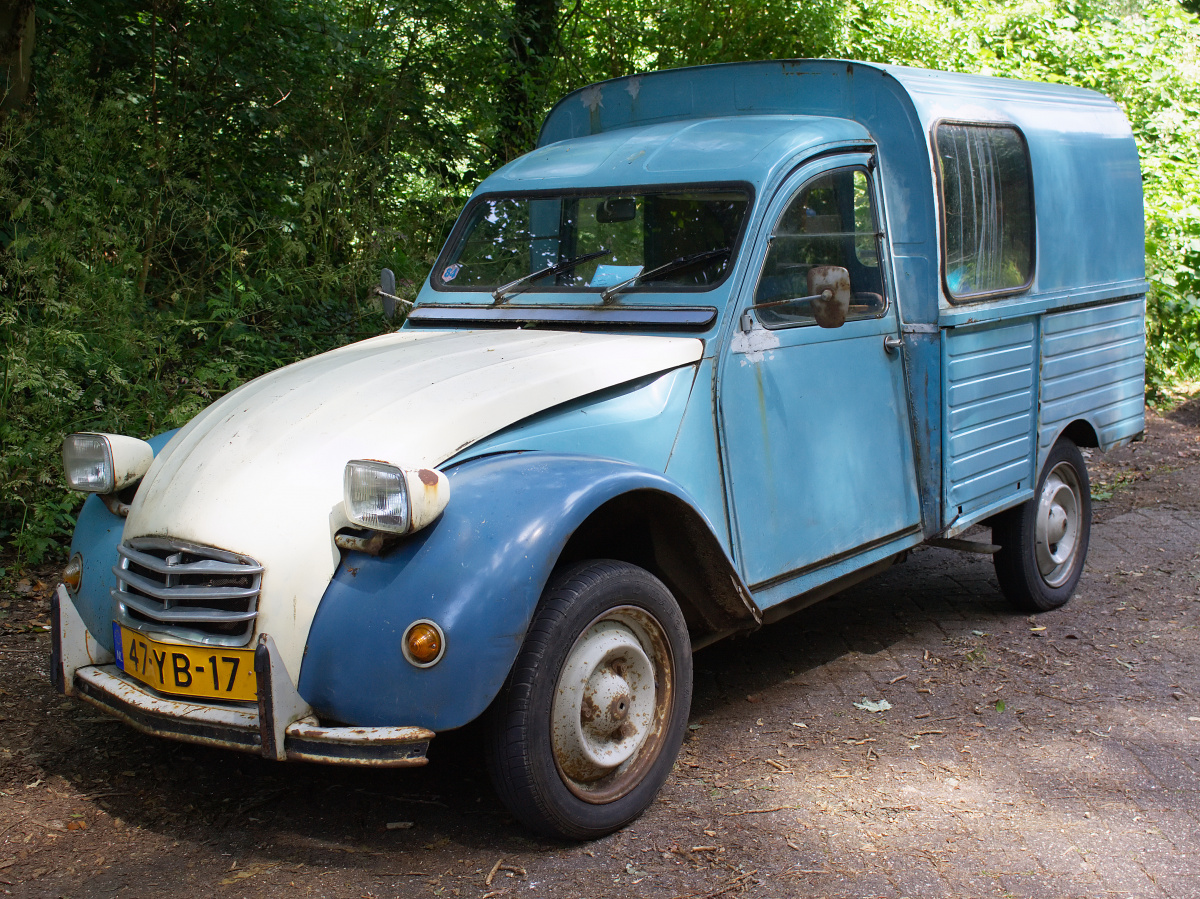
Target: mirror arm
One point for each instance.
(823, 295)
(747, 323)
(380, 293)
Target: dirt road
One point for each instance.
(1055, 756)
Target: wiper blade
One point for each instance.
(501, 293)
(674, 265)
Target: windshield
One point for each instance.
(587, 243)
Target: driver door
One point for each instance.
(814, 413)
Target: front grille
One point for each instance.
(194, 592)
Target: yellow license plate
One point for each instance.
(208, 672)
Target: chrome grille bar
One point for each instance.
(197, 593)
(180, 616)
(202, 566)
(182, 593)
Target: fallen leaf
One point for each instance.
(246, 873)
(868, 705)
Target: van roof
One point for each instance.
(1087, 181)
(831, 87)
(729, 148)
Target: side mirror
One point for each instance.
(829, 287)
(387, 292)
(828, 298)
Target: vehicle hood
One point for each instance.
(259, 472)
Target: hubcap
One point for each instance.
(611, 703)
(1058, 524)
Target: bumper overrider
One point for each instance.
(282, 727)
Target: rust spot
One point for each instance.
(428, 478)
(618, 667)
(618, 709)
(588, 709)
(626, 730)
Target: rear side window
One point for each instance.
(987, 210)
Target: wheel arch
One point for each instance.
(479, 571)
(1079, 431)
(666, 536)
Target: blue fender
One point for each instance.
(478, 571)
(97, 534)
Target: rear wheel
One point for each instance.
(590, 720)
(1044, 541)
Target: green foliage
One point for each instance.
(1145, 59)
(199, 191)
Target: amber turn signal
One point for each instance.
(424, 643)
(72, 575)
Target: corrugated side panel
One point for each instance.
(989, 414)
(1094, 367)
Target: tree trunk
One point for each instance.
(16, 52)
(532, 41)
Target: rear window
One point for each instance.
(987, 210)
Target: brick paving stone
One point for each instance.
(1177, 800)
(1120, 876)
(1166, 767)
(1055, 851)
(916, 878)
(1178, 887)
(967, 885)
(1017, 886)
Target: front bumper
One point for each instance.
(282, 726)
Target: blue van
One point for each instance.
(730, 339)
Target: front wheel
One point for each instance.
(1044, 541)
(590, 721)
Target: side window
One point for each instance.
(987, 210)
(830, 222)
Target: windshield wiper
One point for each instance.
(674, 265)
(501, 293)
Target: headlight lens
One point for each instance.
(377, 496)
(88, 462)
(105, 463)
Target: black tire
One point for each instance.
(1044, 541)
(577, 701)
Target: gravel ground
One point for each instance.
(1021, 756)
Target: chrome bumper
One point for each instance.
(282, 726)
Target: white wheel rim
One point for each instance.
(610, 704)
(1058, 531)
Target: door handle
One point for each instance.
(892, 345)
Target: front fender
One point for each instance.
(478, 572)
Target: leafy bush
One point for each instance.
(200, 196)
